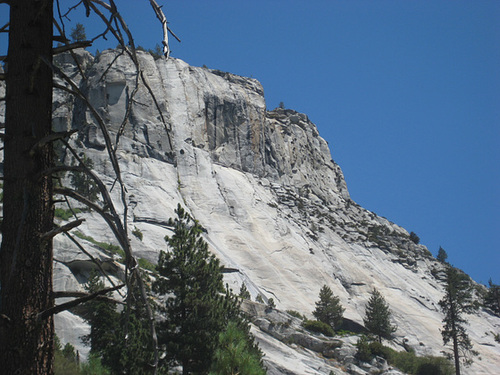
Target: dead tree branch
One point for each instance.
(68, 305)
(65, 228)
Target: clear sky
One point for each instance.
(406, 92)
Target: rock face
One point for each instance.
(264, 185)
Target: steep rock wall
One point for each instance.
(263, 184)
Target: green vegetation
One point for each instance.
(244, 293)
(147, 265)
(296, 314)
(491, 299)
(318, 327)
(235, 354)
(457, 301)
(78, 33)
(65, 213)
(407, 362)
(271, 304)
(197, 306)
(378, 317)
(137, 233)
(329, 309)
(120, 350)
(110, 248)
(414, 238)
(83, 183)
(156, 52)
(442, 256)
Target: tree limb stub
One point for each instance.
(65, 228)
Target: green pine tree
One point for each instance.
(244, 293)
(236, 353)
(197, 306)
(83, 183)
(121, 340)
(329, 310)
(442, 255)
(378, 317)
(104, 323)
(78, 33)
(492, 298)
(457, 301)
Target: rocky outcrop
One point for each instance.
(263, 183)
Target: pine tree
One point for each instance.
(329, 309)
(83, 183)
(492, 298)
(104, 324)
(244, 293)
(236, 353)
(457, 301)
(378, 316)
(121, 340)
(78, 33)
(442, 255)
(197, 306)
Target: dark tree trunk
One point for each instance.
(26, 344)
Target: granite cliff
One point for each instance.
(263, 183)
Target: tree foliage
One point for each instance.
(492, 298)
(329, 310)
(197, 306)
(414, 238)
(78, 33)
(442, 256)
(236, 353)
(378, 316)
(120, 340)
(244, 293)
(458, 301)
(83, 183)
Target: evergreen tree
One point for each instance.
(104, 323)
(197, 307)
(492, 298)
(329, 309)
(236, 353)
(121, 340)
(457, 301)
(83, 183)
(442, 255)
(78, 33)
(244, 293)
(414, 238)
(378, 316)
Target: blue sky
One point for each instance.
(407, 93)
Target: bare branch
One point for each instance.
(65, 228)
(94, 260)
(71, 46)
(68, 305)
(118, 233)
(50, 138)
(161, 16)
(69, 294)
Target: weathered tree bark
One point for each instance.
(26, 343)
